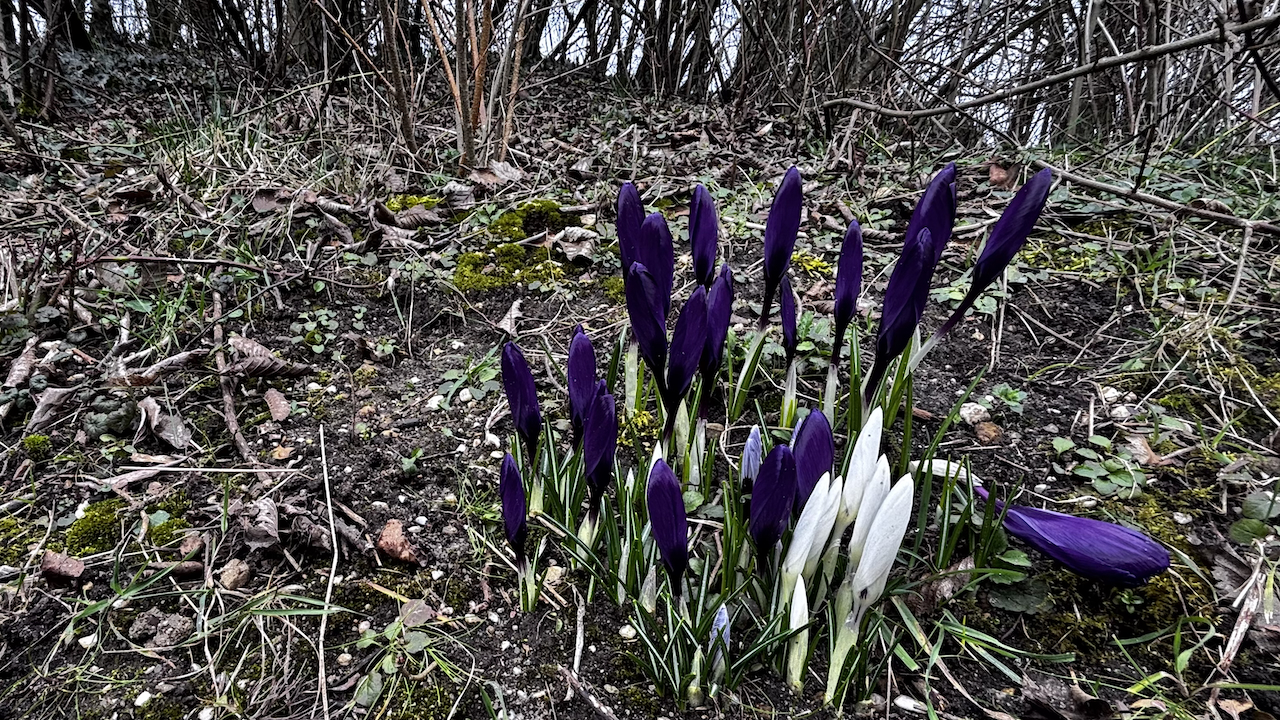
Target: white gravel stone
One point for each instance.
(627, 632)
(437, 574)
(464, 395)
(88, 641)
(421, 520)
(1182, 518)
(143, 698)
(434, 402)
(973, 413)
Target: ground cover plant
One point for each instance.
(674, 414)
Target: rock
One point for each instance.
(173, 630)
(145, 625)
(344, 659)
(434, 402)
(1120, 412)
(63, 566)
(191, 543)
(1182, 518)
(973, 413)
(88, 641)
(988, 432)
(393, 543)
(1110, 394)
(235, 574)
(464, 395)
(627, 632)
(143, 698)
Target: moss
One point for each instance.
(12, 549)
(510, 257)
(397, 203)
(640, 428)
(37, 447)
(530, 218)
(613, 289)
(811, 264)
(364, 375)
(160, 708)
(98, 531)
(420, 701)
(324, 377)
(167, 531)
(510, 264)
(474, 273)
(176, 504)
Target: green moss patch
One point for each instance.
(506, 265)
(530, 218)
(98, 531)
(397, 203)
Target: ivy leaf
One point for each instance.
(1261, 505)
(1247, 530)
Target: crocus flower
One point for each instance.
(798, 645)
(887, 531)
(811, 533)
(780, 232)
(1007, 238)
(668, 522)
(657, 254)
(522, 396)
(719, 645)
(751, 454)
(904, 300)
(704, 233)
(511, 488)
(581, 377)
(936, 210)
(630, 219)
(772, 496)
(648, 319)
(788, 312)
(1103, 551)
(719, 313)
(873, 495)
(688, 340)
(599, 445)
(848, 285)
(814, 448)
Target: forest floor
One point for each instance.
(254, 417)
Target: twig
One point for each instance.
(601, 709)
(228, 385)
(333, 569)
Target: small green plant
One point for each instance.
(409, 465)
(1010, 396)
(37, 447)
(315, 329)
(477, 377)
(1111, 470)
(405, 651)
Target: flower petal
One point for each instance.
(668, 522)
(522, 395)
(704, 232)
(780, 231)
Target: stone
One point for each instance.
(235, 574)
(973, 413)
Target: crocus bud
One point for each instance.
(788, 303)
(630, 219)
(522, 396)
(514, 522)
(657, 254)
(648, 319)
(751, 455)
(581, 379)
(798, 645)
(688, 340)
(872, 496)
(936, 211)
(704, 232)
(719, 314)
(772, 496)
(887, 531)
(599, 445)
(848, 284)
(668, 522)
(780, 231)
(719, 644)
(904, 300)
(815, 449)
(812, 530)
(1007, 238)
(1102, 551)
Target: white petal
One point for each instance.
(822, 530)
(862, 465)
(799, 606)
(807, 526)
(887, 531)
(874, 494)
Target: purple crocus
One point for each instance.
(514, 522)
(630, 219)
(814, 448)
(904, 300)
(751, 458)
(688, 341)
(848, 285)
(657, 254)
(719, 314)
(788, 313)
(648, 319)
(772, 496)
(936, 210)
(780, 232)
(599, 445)
(1007, 238)
(668, 522)
(1102, 551)
(522, 396)
(704, 232)
(581, 378)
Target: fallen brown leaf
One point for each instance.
(60, 565)
(277, 404)
(393, 542)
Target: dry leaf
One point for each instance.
(338, 227)
(411, 219)
(392, 542)
(281, 453)
(277, 404)
(416, 612)
(268, 199)
(166, 426)
(264, 532)
(497, 173)
(988, 432)
(577, 242)
(20, 370)
(48, 405)
(267, 366)
(244, 346)
(508, 322)
(63, 566)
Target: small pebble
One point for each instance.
(415, 529)
(437, 574)
(364, 625)
(612, 690)
(1088, 503)
(88, 641)
(496, 454)
(379, 505)
(206, 713)
(401, 498)
(143, 698)
(506, 645)
(462, 447)
(344, 659)
(421, 520)
(1041, 487)
(464, 395)
(627, 632)
(434, 402)
(973, 413)
(451, 498)
(1182, 518)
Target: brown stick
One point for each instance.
(228, 384)
(1209, 37)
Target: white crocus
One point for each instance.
(862, 465)
(826, 522)
(887, 531)
(807, 533)
(872, 497)
(798, 645)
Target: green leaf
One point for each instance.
(1261, 505)
(158, 517)
(1247, 530)
(1030, 597)
(369, 689)
(1016, 557)
(1061, 445)
(389, 665)
(416, 642)
(1100, 441)
(692, 500)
